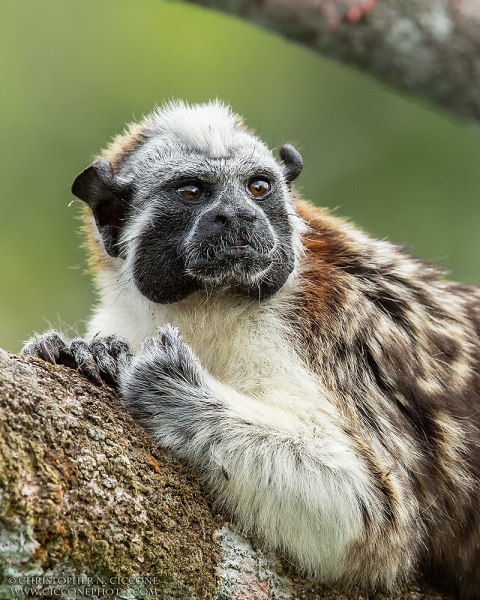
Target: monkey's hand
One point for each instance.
(164, 386)
(99, 360)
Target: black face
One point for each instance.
(211, 234)
(216, 231)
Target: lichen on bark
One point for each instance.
(82, 490)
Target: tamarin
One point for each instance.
(323, 383)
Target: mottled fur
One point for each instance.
(336, 419)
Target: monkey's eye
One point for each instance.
(259, 187)
(190, 192)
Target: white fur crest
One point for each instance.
(210, 128)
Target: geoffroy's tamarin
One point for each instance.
(324, 384)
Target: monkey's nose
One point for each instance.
(221, 219)
(229, 214)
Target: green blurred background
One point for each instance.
(72, 72)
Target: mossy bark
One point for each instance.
(83, 494)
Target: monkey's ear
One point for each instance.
(106, 194)
(98, 182)
(292, 162)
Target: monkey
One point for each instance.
(323, 383)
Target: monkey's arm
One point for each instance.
(300, 486)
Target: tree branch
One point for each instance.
(428, 48)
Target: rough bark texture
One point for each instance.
(83, 494)
(429, 48)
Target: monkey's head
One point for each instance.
(195, 202)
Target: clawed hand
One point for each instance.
(98, 359)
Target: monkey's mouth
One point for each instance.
(234, 262)
(238, 248)
(228, 255)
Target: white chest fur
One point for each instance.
(241, 343)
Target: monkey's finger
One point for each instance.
(49, 347)
(170, 336)
(85, 361)
(105, 360)
(173, 345)
(119, 348)
(47, 351)
(153, 345)
(177, 351)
